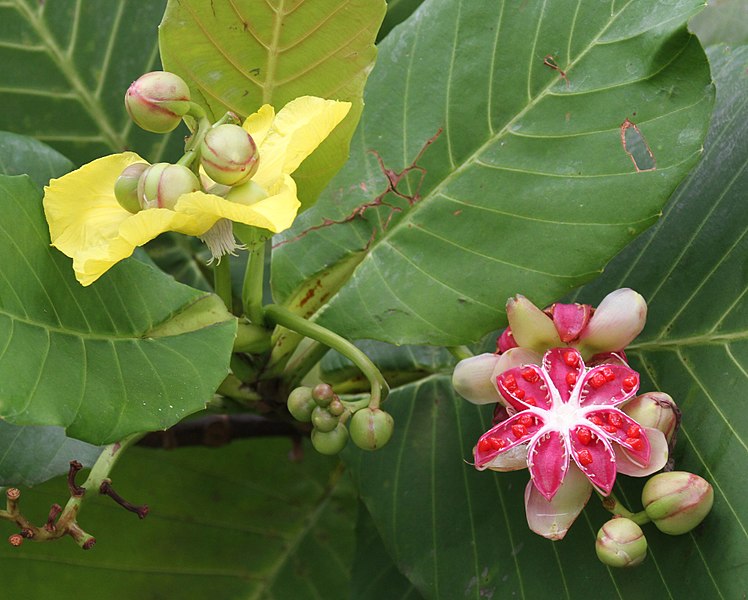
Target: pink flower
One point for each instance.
(570, 433)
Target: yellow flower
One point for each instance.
(87, 223)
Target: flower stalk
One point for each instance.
(614, 506)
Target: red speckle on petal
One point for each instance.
(520, 393)
(615, 420)
(571, 358)
(519, 430)
(629, 383)
(584, 435)
(510, 382)
(585, 457)
(608, 374)
(571, 378)
(635, 442)
(530, 375)
(527, 420)
(633, 431)
(597, 380)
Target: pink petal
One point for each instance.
(552, 518)
(564, 367)
(606, 358)
(570, 319)
(594, 456)
(512, 460)
(657, 457)
(504, 436)
(524, 386)
(506, 341)
(622, 429)
(548, 461)
(608, 385)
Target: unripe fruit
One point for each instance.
(300, 404)
(126, 187)
(621, 543)
(323, 394)
(161, 185)
(371, 428)
(336, 407)
(330, 442)
(157, 101)
(677, 501)
(229, 155)
(323, 420)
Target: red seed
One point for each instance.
(633, 431)
(635, 443)
(596, 420)
(610, 428)
(571, 358)
(615, 420)
(530, 375)
(484, 445)
(629, 383)
(520, 393)
(584, 435)
(530, 401)
(497, 443)
(585, 457)
(519, 430)
(571, 378)
(608, 373)
(527, 420)
(597, 380)
(510, 382)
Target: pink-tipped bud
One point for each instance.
(126, 187)
(531, 327)
(161, 185)
(621, 543)
(619, 318)
(677, 501)
(229, 155)
(472, 379)
(657, 410)
(371, 428)
(569, 319)
(157, 101)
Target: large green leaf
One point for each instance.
(528, 187)
(722, 22)
(242, 54)
(236, 523)
(32, 455)
(66, 67)
(133, 352)
(21, 155)
(447, 525)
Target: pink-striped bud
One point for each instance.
(229, 155)
(677, 501)
(157, 101)
(621, 543)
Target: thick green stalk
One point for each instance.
(222, 281)
(253, 284)
(614, 506)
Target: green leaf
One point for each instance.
(241, 521)
(447, 525)
(397, 12)
(722, 22)
(527, 188)
(184, 258)
(33, 455)
(21, 155)
(66, 68)
(374, 575)
(134, 352)
(239, 55)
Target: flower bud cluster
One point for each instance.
(370, 428)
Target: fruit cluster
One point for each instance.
(369, 428)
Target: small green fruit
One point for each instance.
(677, 501)
(126, 187)
(621, 543)
(323, 420)
(336, 407)
(323, 394)
(330, 442)
(157, 101)
(300, 404)
(371, 428)
(229, 155)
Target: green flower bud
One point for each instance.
(300, 404)
(677, 501)
(323, 420)
(161, 185)
(336, 407)
(323, 394)
(656, 410)
(229, 155)
(531, 327)
(126, 187)
(330, 442)
(248, 193)
(157, 101)
(371, 428)
(621, 543)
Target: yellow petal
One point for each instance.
(295, 132)
(276, 212)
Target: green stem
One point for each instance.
(222, 281)
(252, 339)
(253, 284)
(303, 362)
(614, 506)
(460, 352)
(284, 317)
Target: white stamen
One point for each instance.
(220, 240)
